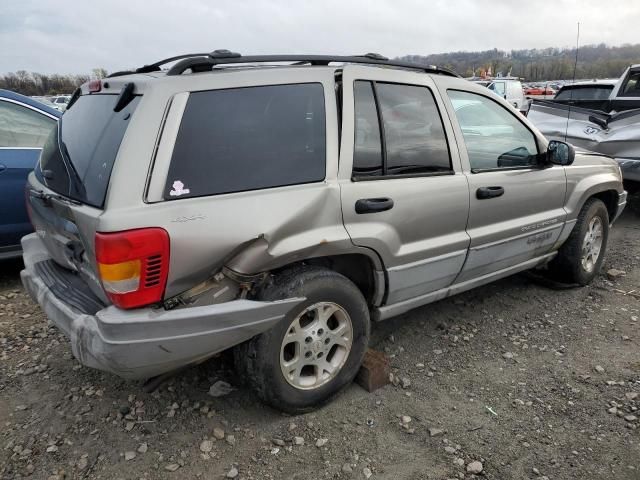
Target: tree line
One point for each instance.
(594, 61)
(41, 84)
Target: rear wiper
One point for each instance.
(47, 197)
(74, 177)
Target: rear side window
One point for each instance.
(413, 141)
(78, 156)
(367, 153)
(23, 127)
(248, 138)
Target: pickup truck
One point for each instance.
(609, 125)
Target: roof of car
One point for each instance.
(8, 94)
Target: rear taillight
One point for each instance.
(133, 265)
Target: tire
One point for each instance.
(262, 361)
(568, 266)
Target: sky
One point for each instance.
(70, 36)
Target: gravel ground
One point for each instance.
(515, 379)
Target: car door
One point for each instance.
(499, 88)
(516, 199)
(23, 132)
(402, 189)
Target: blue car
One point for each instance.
(25, 124)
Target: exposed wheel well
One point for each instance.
(356, 267)
(610, 200)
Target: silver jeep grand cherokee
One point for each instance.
(280, 204)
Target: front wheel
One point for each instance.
(316, 350)
(580, 258)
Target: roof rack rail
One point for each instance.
(202, 62)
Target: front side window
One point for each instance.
(413, 140)
(22, 127)
(248, 138)
(494, 137)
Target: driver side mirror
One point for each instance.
(560, 153)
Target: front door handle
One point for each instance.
(2, 168)
(489, 192)
(373, 205)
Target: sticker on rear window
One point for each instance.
(178, 189)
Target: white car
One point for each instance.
(60, 102)
(511, 90)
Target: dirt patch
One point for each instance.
(529, 381)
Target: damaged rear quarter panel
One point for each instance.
(297, 222)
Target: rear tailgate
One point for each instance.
(67, 190)
(67, 231)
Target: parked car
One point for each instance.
(280, 209)
(511, 90)
(24, 126)
(539, 90)
(61, 101)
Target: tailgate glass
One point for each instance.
(77, 159)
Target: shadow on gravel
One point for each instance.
(10, 271)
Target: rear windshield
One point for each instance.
(248, 138)
(78, 156)
(600, 92)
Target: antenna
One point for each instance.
(575, 67)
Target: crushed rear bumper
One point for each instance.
(146, 342)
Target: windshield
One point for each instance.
(78, 156)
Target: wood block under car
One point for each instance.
(374, 372)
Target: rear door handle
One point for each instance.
(373, 205)
(489, 192)
(2, 167)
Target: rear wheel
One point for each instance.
(316, 350)
(580, 258)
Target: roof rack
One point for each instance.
(202, 62)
